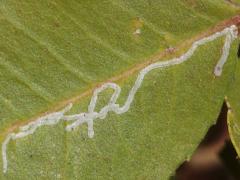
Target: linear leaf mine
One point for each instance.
(89, 117)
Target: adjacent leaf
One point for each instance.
(233, 100)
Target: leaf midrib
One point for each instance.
(180, 47)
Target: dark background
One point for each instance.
(215, 157)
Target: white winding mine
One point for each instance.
(91, 115)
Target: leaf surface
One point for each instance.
(53, 52)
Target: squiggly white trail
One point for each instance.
(91, 115)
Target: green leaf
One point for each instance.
(233, 100)
(56, 52)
